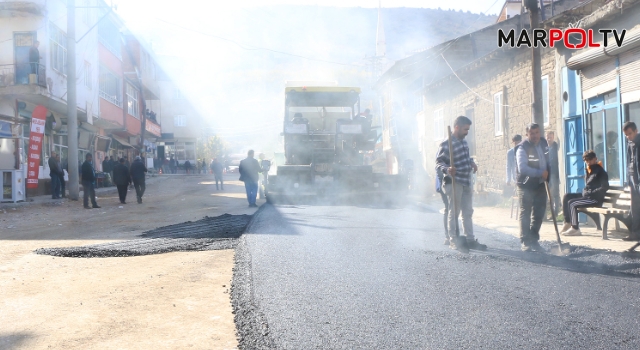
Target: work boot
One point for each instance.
(572, 232)
(474, 244)
(566, 227)
(526, 247)
(536, 247)
(459, 244)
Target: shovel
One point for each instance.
(563, 248)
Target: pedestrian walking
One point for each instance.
(596, 185)
(511, 160)
(122, 179)
(554, 173)
(138, 174)
(88, 182)
(633, 169)
(217, 169)
(532, 164)
(54, 173)
(61, 177)
(460, 167)
(250, 174)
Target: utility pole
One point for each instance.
(72, 111)
(536, 69)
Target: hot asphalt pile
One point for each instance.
(210, 233)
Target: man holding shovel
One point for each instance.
(457, 172)
(532, 170)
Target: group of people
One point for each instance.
(123, 177)
(532, 165)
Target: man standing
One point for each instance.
(54, 172)
(112, 165)
(61, 176)
(459, 168)
(633, 168)
(88, 180)
(173, 165)
(187, 166)
(554, 173)
(34, 57)
(106, 166)
(216, 169)
(532, 164)
(511, 160)
(138, 170)
(249, 174)
(122, 179)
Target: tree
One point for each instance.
(211, 147)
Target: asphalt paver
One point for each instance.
(347, 277)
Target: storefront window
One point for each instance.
(632, 112)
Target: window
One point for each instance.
(497, 110)
(438, 122)
(180, 120)
(109, 36)
(132, 101)
(87, 75)
(632, 112)
(110, 87)
(545, 100)
(178, 94)
(58, 45)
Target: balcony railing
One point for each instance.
(23, 74)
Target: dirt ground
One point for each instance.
(175, 300)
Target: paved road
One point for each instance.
(365, 278)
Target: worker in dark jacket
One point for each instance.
(596, 185)
(122, 179)
(88, 182)
(137, 172)
(249, 174)
(532, 167)
(216, 169)
(633, 167)
(54, 172)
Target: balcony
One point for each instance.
(23, 74)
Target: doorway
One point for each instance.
(22, 42)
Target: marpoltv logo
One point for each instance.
(572, 37)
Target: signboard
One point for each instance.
(152, 128)
(38, 119)
(295, 129)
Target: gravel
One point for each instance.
(210, 233)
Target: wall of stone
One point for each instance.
(512, 76)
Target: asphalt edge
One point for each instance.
(252, 329)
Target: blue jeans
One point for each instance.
(55, 186)
(252, 191)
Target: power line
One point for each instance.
(475, 93)
(252, 47)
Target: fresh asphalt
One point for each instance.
(349, 277)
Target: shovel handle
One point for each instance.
(553, 214)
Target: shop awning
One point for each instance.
(122, 141)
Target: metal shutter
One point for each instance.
(630, 70)
(597, 74)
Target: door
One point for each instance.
(573, 131)
(22, 42)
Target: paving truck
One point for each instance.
(326, 142)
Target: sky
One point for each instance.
(212, 36)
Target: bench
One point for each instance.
(616, 205)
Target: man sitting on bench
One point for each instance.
(596, 185)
